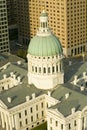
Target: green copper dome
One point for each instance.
(45, 46)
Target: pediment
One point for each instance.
(57, 113)
(2, 105)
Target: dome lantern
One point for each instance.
(43, 29)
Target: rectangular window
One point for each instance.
(56, 123)
(53, 69)
(62, 126)
(42, 105)
(75, 123)
(35, 69)
(37, 107)
(31, 110)
(37, 115)
(25, 112)
(31, 118)
(20, 124)
(19, 115)
(69, 126)
(42, 113)
(44, 70)
(26, 121)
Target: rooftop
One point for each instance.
(72, 67)
(7, 57)
(18, 94)
(75, 100)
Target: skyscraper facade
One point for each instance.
(23, 21)
(67, 19)
(12, 19)
(12, 11)
(4, 36)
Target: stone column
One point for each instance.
(12, 120)
(51, 69)
(59, 126)
(85, 123)
(16, 122)
(2, 120)
(55, 68)
(59, 67)
(6, 120)
(10, 123)
(79, 124)
(46, 69)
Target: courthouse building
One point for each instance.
(48, 88)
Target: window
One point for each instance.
(44, 69)
(75, 123)
(26, 121)
(42, 113)
(62, 126)
(31, 110)
(37, 115)
(69, 126)
(57, 68)
(53, 69)
(31, 118)
(19, 115)
(42, 105)
(35, 69)
(25, 112)
(56, 123)
(37, 107)
(20, 124)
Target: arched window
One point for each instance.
(32, 68)
(53, 69)
(56, 68)
(48, 69)
(39, 69)
(35, 69)
(44, 70)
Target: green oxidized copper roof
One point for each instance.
(45, 46)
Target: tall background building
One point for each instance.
(12, 18)
(67, 19)
(23, 21)
(12, 11)
(4, 36)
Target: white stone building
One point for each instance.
(51, 89)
